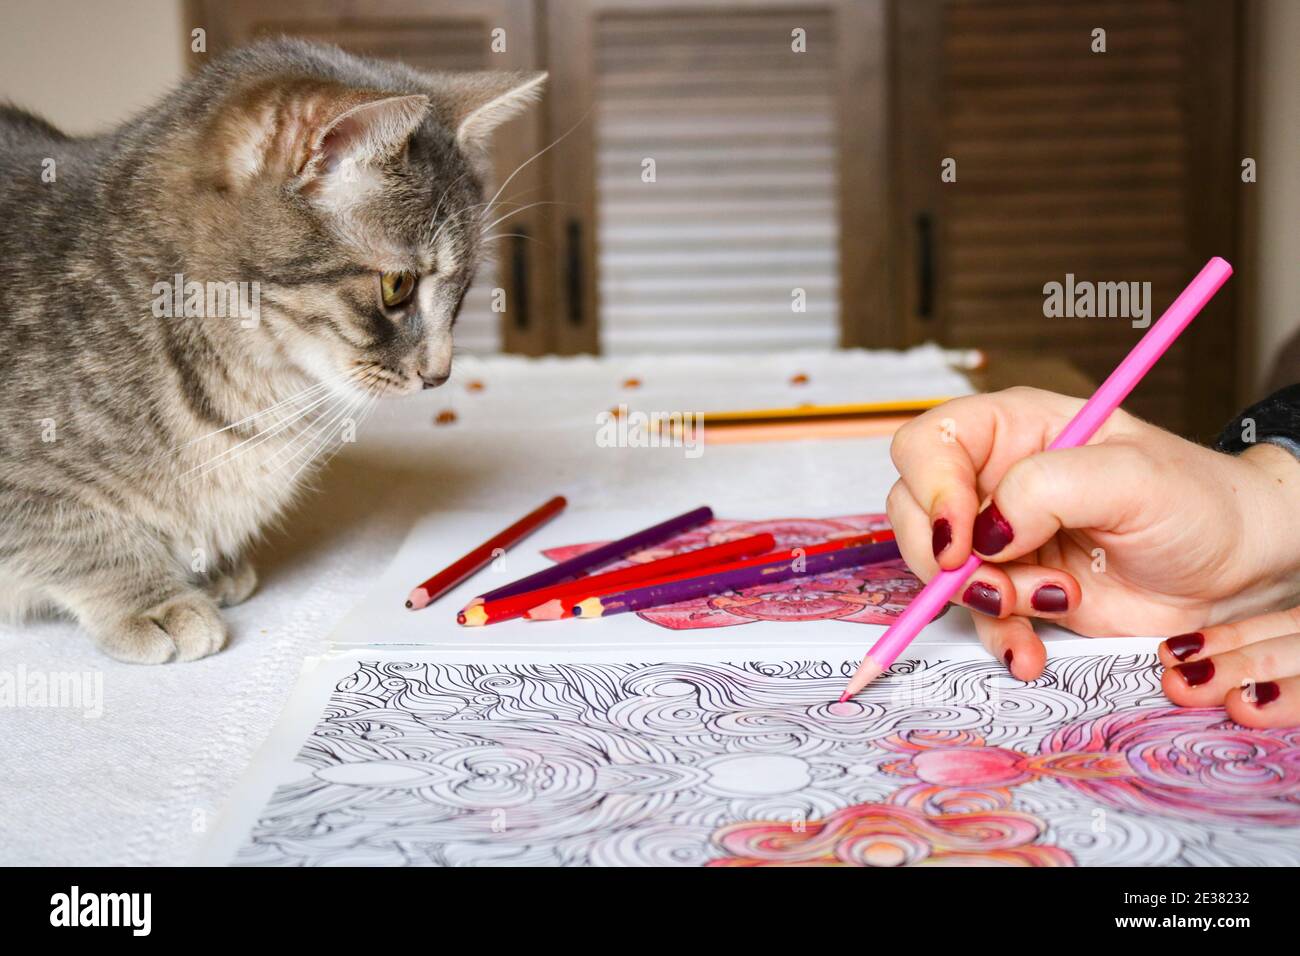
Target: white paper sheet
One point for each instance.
(583, 759)
(569, 391)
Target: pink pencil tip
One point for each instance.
(552, 610)
(845, 697)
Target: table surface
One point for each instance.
(142, 782)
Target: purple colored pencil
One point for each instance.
(671, 592)
(589, 561)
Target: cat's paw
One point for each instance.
(233, 586)
(184, 628)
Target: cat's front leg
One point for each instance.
(231, 582)
(146, 618)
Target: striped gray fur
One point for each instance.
(142, 455)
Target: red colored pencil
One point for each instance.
(607, 553)
(589, 599)
(713, 581)
(560, 596)
(453, 574)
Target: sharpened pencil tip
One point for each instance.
(588, 608)
(409, 604)
(552, 610)
(845, 698)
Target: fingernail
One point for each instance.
(1006, 659)
(1196, 673)
(983, 598)
(1266, 692)
(992, 532)
(1050, 599)
(1183, 646)
(942, 536)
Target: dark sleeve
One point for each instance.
(1276, 419)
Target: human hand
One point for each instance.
(1138, 532)
(1251, 668)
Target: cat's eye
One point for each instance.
(396, 288)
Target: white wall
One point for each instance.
(1277, 258)
(88, 64)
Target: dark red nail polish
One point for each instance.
(1183, 646)
(1196, 673)
(992, 532)
(1266, 692)
(983, 598)
(1006, 659)
(1050, 599)
(941, 536)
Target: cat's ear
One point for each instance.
(368, 132)
(313, 135)
(480, 102)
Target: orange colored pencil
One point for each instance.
(800, 551)
(453, 574)
(560, 595)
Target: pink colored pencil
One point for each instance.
(935, 596)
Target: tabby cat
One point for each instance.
(195, 305)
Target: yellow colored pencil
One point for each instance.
(896, 407)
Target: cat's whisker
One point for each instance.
(487, 207)
(322, 438)
(336, 401)
(450, 219)
(509, 235)
(359, 419)
(285, 456)
(239, 450)
(545, 149)
(292, 399)
(515, 212)
(438, 208)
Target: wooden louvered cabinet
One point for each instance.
(1114, 166)
(438, 35)
(761, 175)
(724, 180)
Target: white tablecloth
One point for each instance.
(140, 783)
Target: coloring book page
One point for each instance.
(947, 760)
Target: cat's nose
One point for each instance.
(433, 381)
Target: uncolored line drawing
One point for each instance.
(754, 764)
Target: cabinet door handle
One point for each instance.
(573, 277)
(519, 277)
(924, 267)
